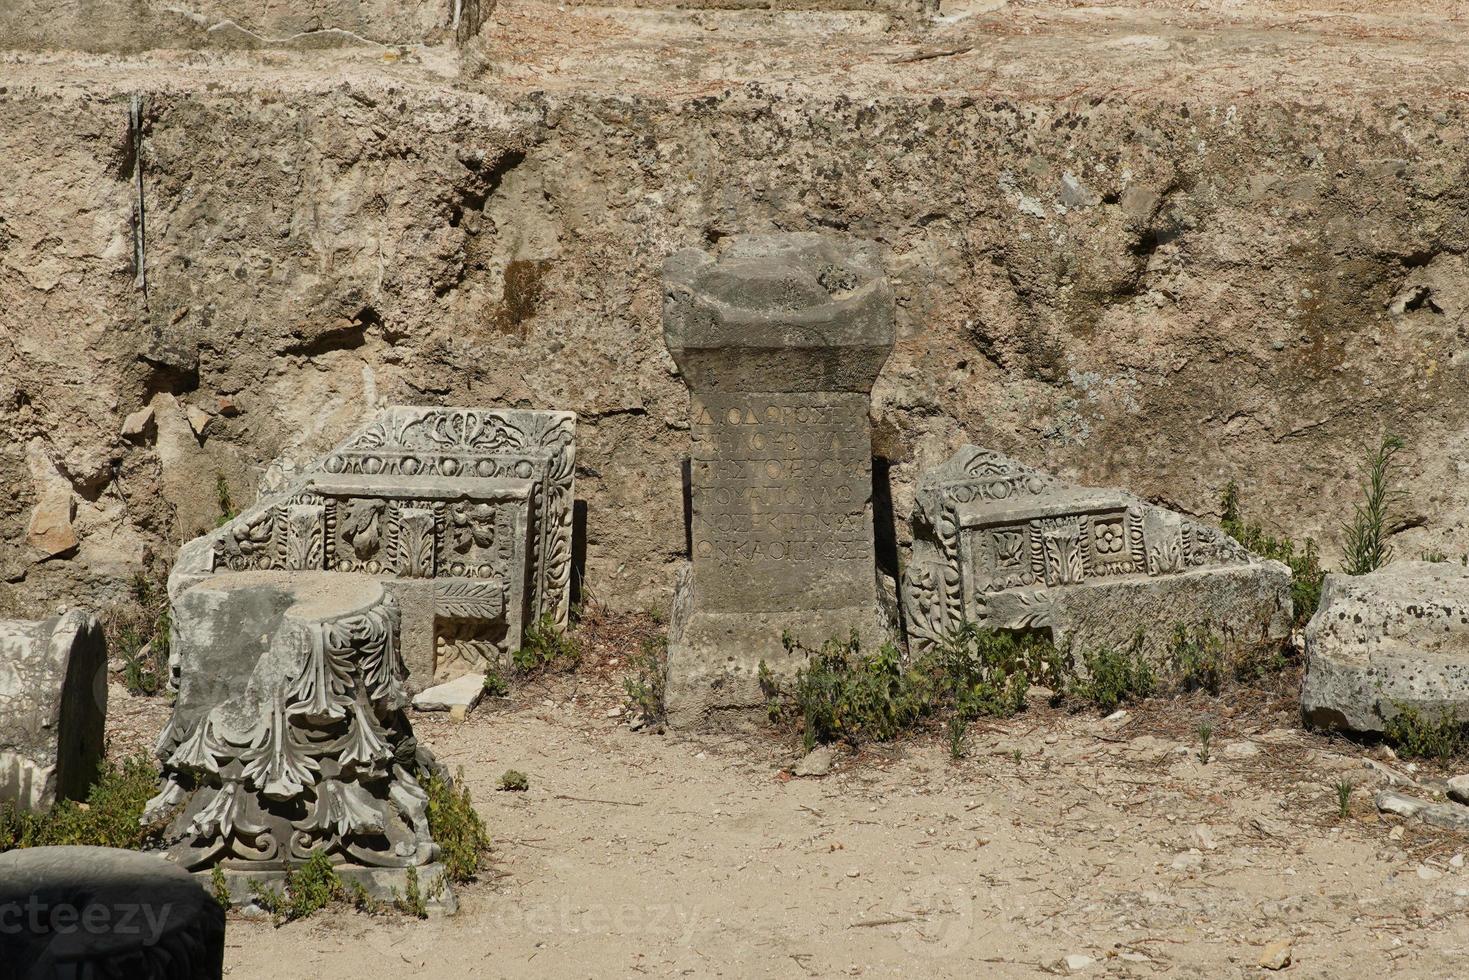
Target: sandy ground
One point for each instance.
(1059, 835)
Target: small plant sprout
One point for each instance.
(1344, 787)
(958, 736)
(1366, 546)
(514, 781)
(1015, 756)
(1206, 737)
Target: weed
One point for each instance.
(1112, 678)
(1015, 756)
(1344, 787)
(771, 689)
(1435, 556)
(137, 633)
(514, 781)
(1206, 739)
(1307, 575)
(413, 901)
(989, 672)
(456, 825)
(109, 818)
(842, 693)
(496, 686)
(645, 686)
(227, 510)
(219, 888)
(1366, 546)
(958, 736)
(1198, 658)
(1416, 735)
(546, 647)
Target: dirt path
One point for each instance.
(638, 854)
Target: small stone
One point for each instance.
(1204, 837)
(227, 407)
(462, 693)
(816, 763)
(1117, 715)
(1241, 750)
(1459, 789)
(1190, 860)
(1076, 963)
(854, 873)
(1277, 955)
(1396, 833)
(1429, 874)
(198, 419)
(139, 425)
(1397, 803)
(614, 712)
(50, 531)
(1457, 861)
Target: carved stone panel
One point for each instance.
(999, 543)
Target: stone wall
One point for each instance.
(1161, 285)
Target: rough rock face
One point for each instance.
(289, 733)
(1125, 271)
(1002, 545)
(1397, 637)
(53, 703)
(779, 338)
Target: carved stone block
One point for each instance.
(779, 339)
(998, 543)
(422, 495)
(53, 704)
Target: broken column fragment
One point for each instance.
(1393, 640)
(779, 339)
(289, 735)
(53, 705)
(999, 544)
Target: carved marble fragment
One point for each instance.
(465, 513)
(1000, 544)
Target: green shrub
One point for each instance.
(109, 818)
(1111, 678)
(1307, 575)
(1416, 735)
(842, 693)
(1198, 659)
(495, 684)
(546, 647)
(645, 686)
(1366, 546)
(305, 890)
(413, 901)
(456, 825)
(514, 781)
(990, 671)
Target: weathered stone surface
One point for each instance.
(1397, 637)
(779, 339)
(465, 514)
(103, 912)
(288, 733)
(1450, 816)
(139, 425)
(1000, 544)
(457, 696)
(53, 704)
(50, 531)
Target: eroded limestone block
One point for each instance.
(779, 339)
(104, 912)
(1397, 637)
(465, 514)
(53, 705)
(288, 734)
(1000, 544)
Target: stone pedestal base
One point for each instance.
(385, 885)
(714, 658)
